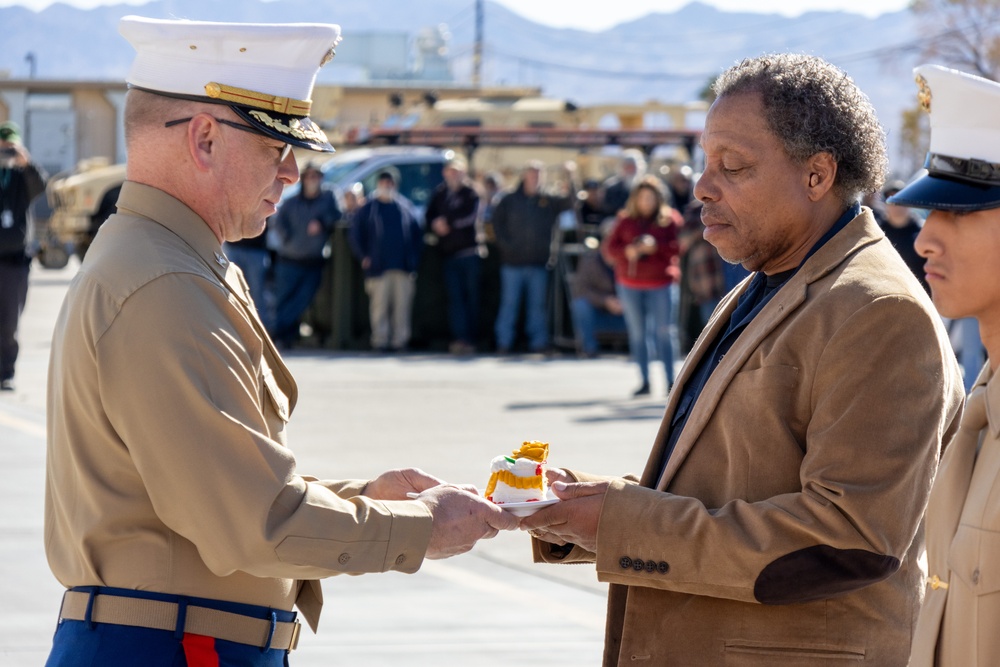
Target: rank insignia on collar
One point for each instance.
(221, 260)
(924, 94)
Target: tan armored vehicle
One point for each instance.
(82, 200)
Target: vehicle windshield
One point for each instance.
(334, 171)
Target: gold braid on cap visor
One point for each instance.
(252, 98)
(293, 128)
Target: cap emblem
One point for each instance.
(327, 57)
(924, 94)
(257, 100)
(294, 128)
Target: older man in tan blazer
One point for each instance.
(778, 519)
(174, 512)
(960, 241)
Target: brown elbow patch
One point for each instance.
(820, 572)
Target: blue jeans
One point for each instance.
(254, 262)
(650, 322)
(461, 281)
(515, 282)
(588, 319)
(971, 355)
(295, 285)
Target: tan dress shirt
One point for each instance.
(959, 622)
(167, 468)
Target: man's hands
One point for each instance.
(572, 521)
(461, 518)
(440, 226)
(395, 484)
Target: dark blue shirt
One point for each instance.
(393, 243)
(761, 290)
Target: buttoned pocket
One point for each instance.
(974, 558)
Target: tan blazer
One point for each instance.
(959, 623)
(786, 526)
(167, 403)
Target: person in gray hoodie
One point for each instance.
(302, 226)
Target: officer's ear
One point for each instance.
(203, 141)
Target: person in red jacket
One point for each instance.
(643, 249)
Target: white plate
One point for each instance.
(530, 507)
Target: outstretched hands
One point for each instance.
(461, 516)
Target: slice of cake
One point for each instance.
(519, 478)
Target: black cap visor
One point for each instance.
(942, 193)
(298, 131)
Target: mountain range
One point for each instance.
(662, 56)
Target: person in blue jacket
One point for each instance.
(387, 239)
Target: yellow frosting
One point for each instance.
(534, 450)
(531, 449)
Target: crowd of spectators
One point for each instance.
(630, 259)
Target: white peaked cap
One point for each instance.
(267, 68)
(964, 113)
(963, 163)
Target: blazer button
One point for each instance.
(400, 559)
(625, 562)
(975, 576)
(343, 558)
(650, 566)
(663, 568)
(638, 565)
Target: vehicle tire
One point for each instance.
(109, 205)
(53, 256)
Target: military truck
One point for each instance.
(82, 200)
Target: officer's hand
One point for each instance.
(461, 519)
(395, 484)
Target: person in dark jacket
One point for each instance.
(524, 222)
(387, 239)
(451, 218)
(302, 227)
(595, 305)
(21, 180)
(901, 226)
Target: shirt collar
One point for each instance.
(164, 209)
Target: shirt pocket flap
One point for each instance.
(277, 397)
(974, 558)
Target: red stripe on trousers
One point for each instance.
(199, 651)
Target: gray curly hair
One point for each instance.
(814, 107)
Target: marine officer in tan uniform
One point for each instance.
(174, 514)
(960, 241)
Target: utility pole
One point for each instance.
(477, 49)
(32, 63)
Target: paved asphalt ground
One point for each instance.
(358, 415)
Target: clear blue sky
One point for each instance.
(595, 14)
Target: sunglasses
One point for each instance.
(284, 151)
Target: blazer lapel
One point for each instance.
(860, 232)
(781, 306)
(714, 328)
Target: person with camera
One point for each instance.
(643, 248)
(21, 180)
